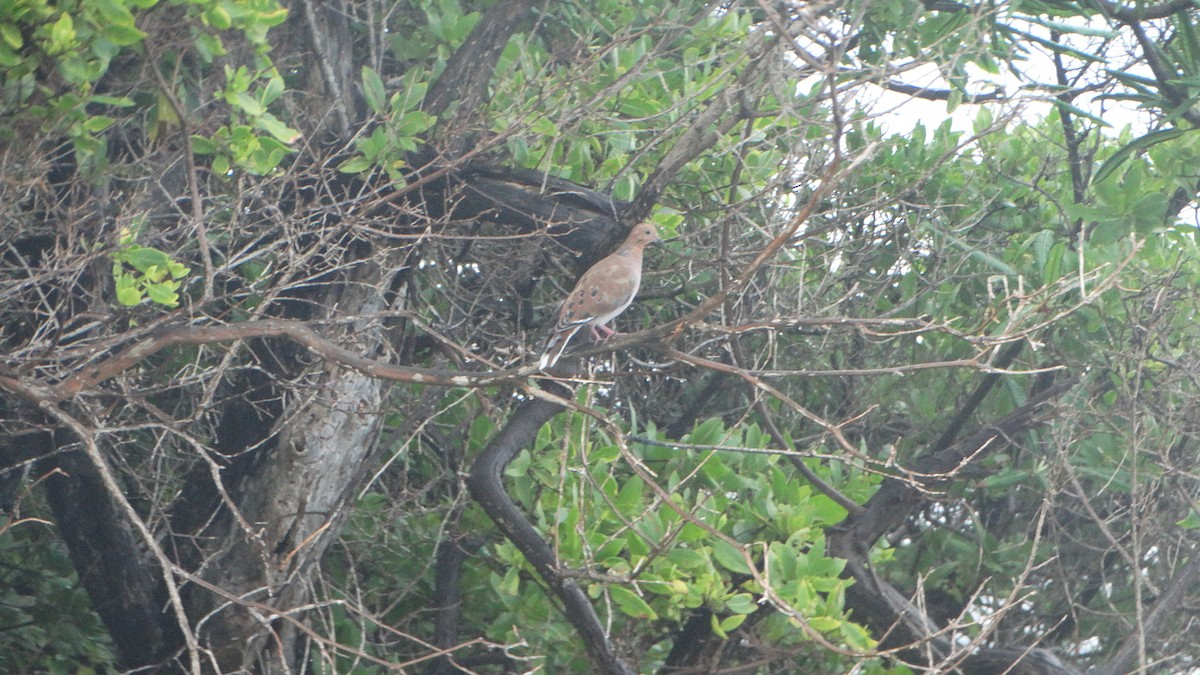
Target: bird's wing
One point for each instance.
(603, 292)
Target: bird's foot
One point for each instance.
(607, 333)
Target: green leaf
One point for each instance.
(729, 557)
(273, 17)
(209, 47)
(519, 467)
(827, 511)
(1191, 521)
(629, 497)
(856, 636)
(544, 127)
(414, 122)
(373, 90)
(97, 123)
(687, 558)
(62, 34)
(604, 454)
(1005, 479)
(1071, 108)
(511, 583)
(11, 35)
(709, 432)
(716, 627)
(953, 100)
(1120, 156)
(1040, 244)
(202, 145)
(741, 603)
(825, 623)
(272, 91)
(7, 58)
(731, 623)
(129, 296)
(218, 17)
(163, 294)
(143, 258)
(631, 604)
(355, 165)
(994, 262)
(249, 104)
(123, 35)
(118, 101)
(271, 124)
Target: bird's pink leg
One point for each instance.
(596, 330)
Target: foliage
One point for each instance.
(47, 622)
(154, 274)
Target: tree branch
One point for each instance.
(470, 69)
(1168, 603)
(296, 331)
(898, 498)
(487, 487)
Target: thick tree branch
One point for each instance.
(470, 69)
(126, 590)
(1171, 601)
(104, 480)
(451, 555)
(330, 41)
(486, 484)
(878, 602)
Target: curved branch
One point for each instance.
(486, 484)
(451, 555)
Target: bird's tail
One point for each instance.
(556, 345)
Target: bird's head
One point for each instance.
(643, 234)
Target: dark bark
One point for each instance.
(487, 487)
(693, 645)
(316, 41)
(1169, 603)
(125, 587)
(469, 71)
(447, 598)
(893, 617)
(525, 201)
(696, 403)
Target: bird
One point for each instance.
(603, 292)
